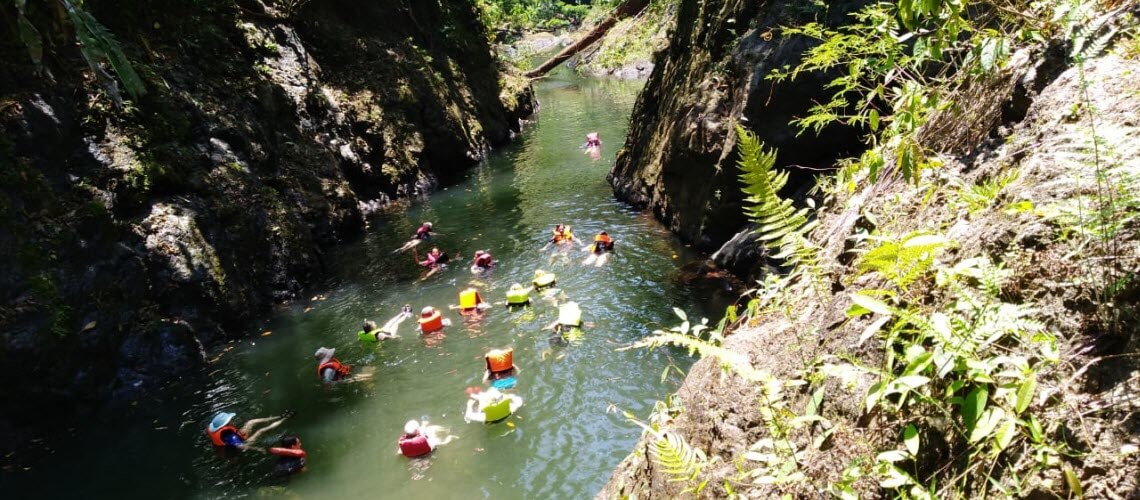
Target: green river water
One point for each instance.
(567, 437)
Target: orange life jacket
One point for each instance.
(216, 436)
(342, 370)
(433, 323)
(500, 360)
(563, 235)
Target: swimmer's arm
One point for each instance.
(472, 415)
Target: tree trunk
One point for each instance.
(626, 9)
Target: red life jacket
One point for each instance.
(423, 232)
(483, 260)
(414, 446)
(342, 370)
(216, 436)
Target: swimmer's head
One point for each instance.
(369, 325)
(412, 428)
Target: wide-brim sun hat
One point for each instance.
(220, 420)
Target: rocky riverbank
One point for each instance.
(1032, 206)
(135, 238)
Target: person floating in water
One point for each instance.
(423, 233)
(501, 371)
(568, 326)
(431, 320)
(593, 146)
(419, 439)
(291, 457)
(471, 302)
(224, 434)
(599, 249)
(561, 234)
(388, 331)
(482, 262)
(593, 140)
(434, 261)
(491, 406)
(330, 369)
(543, 279)
(518, 296)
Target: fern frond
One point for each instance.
(734, 361)
(781, 226)
(676, 457)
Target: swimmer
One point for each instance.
(434, 261)
(388, 331)
(593, 145)
(292, 457)
(423, 233)
(224, 434)
(419, 439)
(593, 140)
(560, 235)
(518, 296)
(431, 320)
(599, 250)
(491, 406)
(482, 262)
(330, 369)
(470, 302)
(501, 370)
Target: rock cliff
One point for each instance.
(678, 158)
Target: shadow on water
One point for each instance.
(564, 441)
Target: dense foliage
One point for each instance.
(536, 14)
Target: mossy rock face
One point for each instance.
(133, 239)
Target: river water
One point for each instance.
(562, 443)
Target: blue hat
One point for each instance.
(220, 420)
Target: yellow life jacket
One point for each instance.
(495, 412)
(469, 298)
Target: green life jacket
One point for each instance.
(497, 411)
(544, 280)
(367, 336)
(518, 297)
